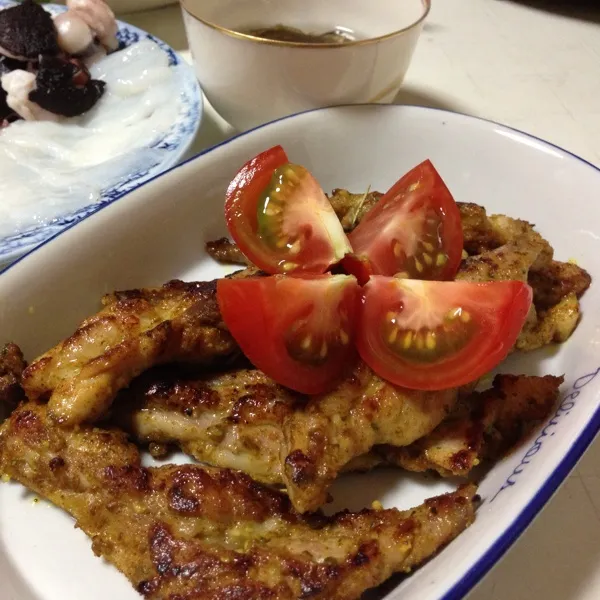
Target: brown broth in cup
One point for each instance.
(283, 33)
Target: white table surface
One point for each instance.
(526, 65)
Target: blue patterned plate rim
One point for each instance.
(173, 146)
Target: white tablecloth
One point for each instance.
(537, 70)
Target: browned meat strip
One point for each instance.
(479, 236)
(189, 532)
(244, 420)
(225, 251)
(484, 426)
(12, 365)
(351, 208)
(557, 281)
(136, 329)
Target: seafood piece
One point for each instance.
(18, 85)
(196, 532)
(65, 87)
(99, 18)
(6, 113)
(26, 32)
(73, 34)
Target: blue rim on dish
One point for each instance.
(171, 147)
(506, 539)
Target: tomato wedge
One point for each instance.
(298, 330)
(281, 219)
(433, 335)
(414, 231)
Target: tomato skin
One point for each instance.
(465, 347)
(280, 218)
(243, 193)
(268, 316)
(412, 227)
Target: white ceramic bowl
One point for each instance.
(48, 292)
(250, 80)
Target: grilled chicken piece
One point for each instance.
(478, 234)
(526, 251)
(554, 325)
(496, 248)
(12, 365)
(351, 208)
(557, 281)
(526, 256)
(198, 533)
(236, 420)
(244, 420)
(137, 329)
(225, 251)
(483, 427)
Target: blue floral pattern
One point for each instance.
(171, 146)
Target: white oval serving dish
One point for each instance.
(45, 294)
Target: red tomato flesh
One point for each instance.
(298, 330)
(281, 219)
(433, 335)
(414, 230)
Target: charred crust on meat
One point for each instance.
(301, 468)
(408, 526)
(12, 365)
(56, 463)
(181, 396)
(365, 554)
(203, 288)
(128, 477)
(162, 548)
(28, 425)
(145, 588)
(262, 401)
(462, 460)
(313, 578)
(194, 492)
(225, 251)
(27, 31)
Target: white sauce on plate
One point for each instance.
(50, 169)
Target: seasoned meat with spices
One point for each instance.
(483, 427)
(238, 420)
(199, 533)
(244, 420)
(136, 329)
(496, 247)
(225, 251)
(12, 365)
